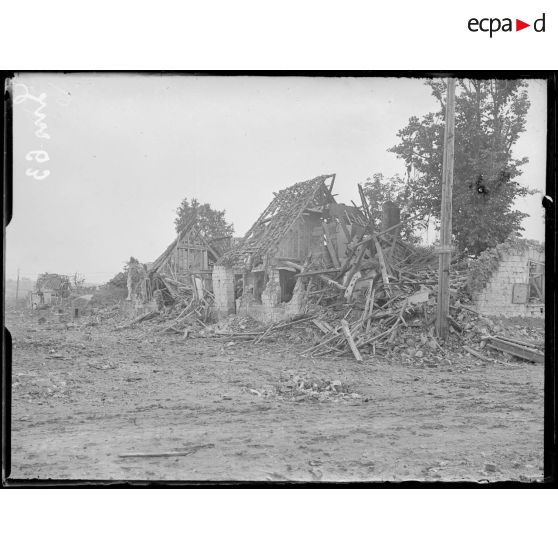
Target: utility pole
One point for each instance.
(17, 285)
(445, 225)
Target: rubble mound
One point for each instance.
(234, 324)
(298, 388)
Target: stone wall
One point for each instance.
(496, 298)
(223, 290)
(271, 309)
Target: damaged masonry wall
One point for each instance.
(516, 286)
(224, 290)
(261, 297)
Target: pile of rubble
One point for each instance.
(239, 326)
(393, 319)
(298, 388)
(187, 315)
(377, 296)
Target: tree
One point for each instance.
(78, 281)
(490, 116)
(210, 222)
(378, 190)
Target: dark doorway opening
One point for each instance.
(287, 280)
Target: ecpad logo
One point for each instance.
(493, 25)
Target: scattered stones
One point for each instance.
(297, 388)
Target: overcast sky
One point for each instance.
(124, 150)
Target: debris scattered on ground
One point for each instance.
(187, 451)
(298, 388)
(518, 348)
(120, 410)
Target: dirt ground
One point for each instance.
(84, 396)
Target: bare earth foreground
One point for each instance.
(83, 397)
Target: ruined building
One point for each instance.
(50, 289)
(259, 276)
(508, 280)
(186, 264)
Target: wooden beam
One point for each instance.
(330, 246)
(318, 272)
(323, 326)
(356, 262)
(332, 183)
(322, 277)
(313, 211)
(517, 349)
(351, 285)
(364, 203)
(350, 340)
(383, 267)
(168, 453)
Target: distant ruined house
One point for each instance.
(188, 262)
(50, 289)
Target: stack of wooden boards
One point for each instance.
(518, 348)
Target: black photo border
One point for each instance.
(549, 203)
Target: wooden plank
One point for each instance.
(392, 249)
(351, 285)
(322, 277)
(330, 246)
(369, 304)
(533, 281)
(370, 292)
(383, 269)
(316, 272)
(516, 350)
(168, 453)
(322, 326)
(355, 265)
(364, 202)
(350, 340)
(516, 341)
(342, 242)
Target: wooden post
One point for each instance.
(347, 333)
(330, 246)
(383, 268)
(445, 225)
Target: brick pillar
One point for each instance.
(223, 290)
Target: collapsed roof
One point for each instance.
(190, 227)
(272, 225)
